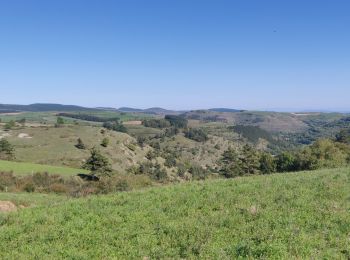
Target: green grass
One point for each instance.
(283, 216)
(56, 146)
(21, 168)
(32, 199)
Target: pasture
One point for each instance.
(283, 216)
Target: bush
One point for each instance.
(80, 144)
(105, 142)
(58, 188)
(29, 187)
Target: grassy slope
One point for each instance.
(20, 168)
(32, 199)
(304, 215)
(56, 146)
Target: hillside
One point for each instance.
(56, 146)
(283, 216)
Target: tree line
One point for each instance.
(323, 153)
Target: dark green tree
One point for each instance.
(7, 151)
(250, 160)
(286, 162)
(267, 163)
(97, 163)
(231, 164)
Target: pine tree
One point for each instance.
(7, 151)
(97, 163)
(250, 160)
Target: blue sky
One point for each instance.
(177, 54)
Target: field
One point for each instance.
(20, 168)
(281, 216)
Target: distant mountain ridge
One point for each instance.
(47, 107)
(39, 107)
(230, 110)
(152, 110)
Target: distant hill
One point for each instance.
(152, 110)
(225, 110)
(41, 107)
(163, 111)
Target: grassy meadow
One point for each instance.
(281, 216)
(56, 146)
(23, 168)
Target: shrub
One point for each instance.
(105, 142)
(141, 141)
(29, 187)
(170, 161)
(80, 144)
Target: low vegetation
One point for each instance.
(23, 168)
(284, 216)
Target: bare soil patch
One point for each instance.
(7, 206)
(135, 122)
(24, 135)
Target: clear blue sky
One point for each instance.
(178, 54)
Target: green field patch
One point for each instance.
(23, 168)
